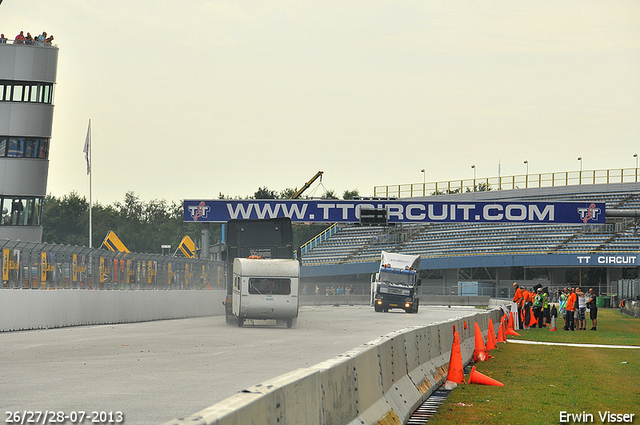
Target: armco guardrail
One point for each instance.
(382, 381)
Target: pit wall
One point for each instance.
(380, 382)
(35, 309)
(24, 309)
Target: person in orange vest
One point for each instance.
(526, 295)
(569, 323)
(527, 300)
(518, 299)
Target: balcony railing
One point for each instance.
(522, 181)
(33, 43)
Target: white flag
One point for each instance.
(87, 148)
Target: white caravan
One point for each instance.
(266, 289)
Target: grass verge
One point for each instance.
(542, 381)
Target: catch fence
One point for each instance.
(629, 289)
(29, 265)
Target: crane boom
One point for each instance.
(307, 184)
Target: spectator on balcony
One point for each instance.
(29, 39)
(3, 39)
(19, 38)
(49, 41)
(41, 39)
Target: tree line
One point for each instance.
(145, 226)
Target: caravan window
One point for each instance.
(270, 286)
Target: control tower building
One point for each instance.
(27, 79)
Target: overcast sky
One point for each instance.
(190, 99)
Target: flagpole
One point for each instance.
(87, 154)
(90, 193)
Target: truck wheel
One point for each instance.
(240, 322)
(377, 308)
(229, 319)
(415, 308)
(289, 323)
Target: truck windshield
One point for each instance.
(403, 278)
(269, 286)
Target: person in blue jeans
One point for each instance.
(582, 308)
(593, 309)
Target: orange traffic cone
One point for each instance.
(553, 323)
(532, 319)
(480, 352)
(476, 377)
(456, 370)
(501, 336)
(491, 337)
(510, 330)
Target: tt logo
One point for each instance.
(200, 211)
(590, 213)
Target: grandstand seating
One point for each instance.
(355, 243)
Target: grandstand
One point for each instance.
(449, 247)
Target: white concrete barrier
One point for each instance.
(338, 382)
(382, 381)
(22, 309)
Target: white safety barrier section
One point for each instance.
(380, 382)
(23, 309)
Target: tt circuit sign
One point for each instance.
(348, 211)
(607, 260)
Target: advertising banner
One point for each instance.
(348, 211)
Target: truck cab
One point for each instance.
(395, 283)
